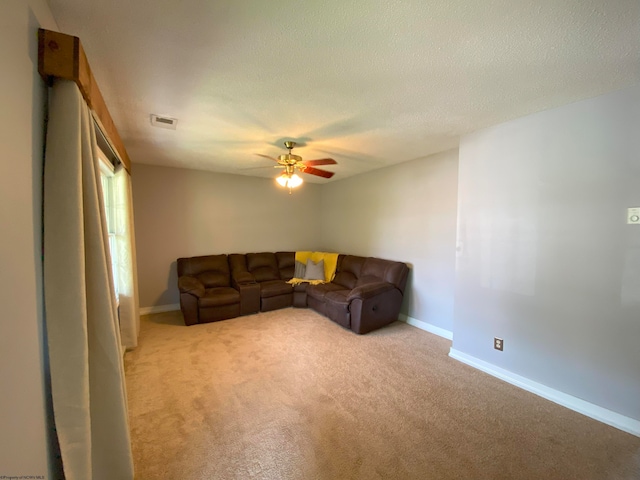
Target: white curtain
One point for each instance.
(126, 261)
(87, 375)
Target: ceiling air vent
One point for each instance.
(164, 122)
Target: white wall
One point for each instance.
(547, 261)
(23, 431)
(407, 213)
(183, 213)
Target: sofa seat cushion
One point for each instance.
(218, 296)
(319, 291)
(273, 288)
(338, 297)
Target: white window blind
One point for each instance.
(109, 193)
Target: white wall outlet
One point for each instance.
(633, 216)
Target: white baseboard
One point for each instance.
(621, 422)
(427, 327)
(159, 309)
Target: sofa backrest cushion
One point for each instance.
(286, 264)
(349, 268)
(211, 270)
(263, 266)
(377, 269)
(237, 263)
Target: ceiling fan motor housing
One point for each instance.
(290, 158)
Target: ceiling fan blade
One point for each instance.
(318, 172)
(266, 156)
(320, 161)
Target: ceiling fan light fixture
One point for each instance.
(289, 180)
(295, 180)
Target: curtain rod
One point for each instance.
(62, 56)
(104, 144)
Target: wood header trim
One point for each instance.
(62, 56)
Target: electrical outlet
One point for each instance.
(498, 343)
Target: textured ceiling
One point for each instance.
(370, 83)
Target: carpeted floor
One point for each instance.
(291, 395)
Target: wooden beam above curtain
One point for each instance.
(62, 56)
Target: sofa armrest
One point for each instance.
(249, 297)
(241, 278)
(189, 284)
(369, 290)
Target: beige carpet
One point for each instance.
(291, 395)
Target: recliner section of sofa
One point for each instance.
(271, 271)
(206, 294)
(365, 294)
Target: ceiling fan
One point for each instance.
(290, 163)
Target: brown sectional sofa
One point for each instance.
(365, 294)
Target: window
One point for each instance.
(107, 176)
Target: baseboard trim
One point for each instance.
(159, 309)
(621, 422)
(427, 327)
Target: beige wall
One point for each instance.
(547, 261)
(23, 429)
(182, 213)
(406, 213)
